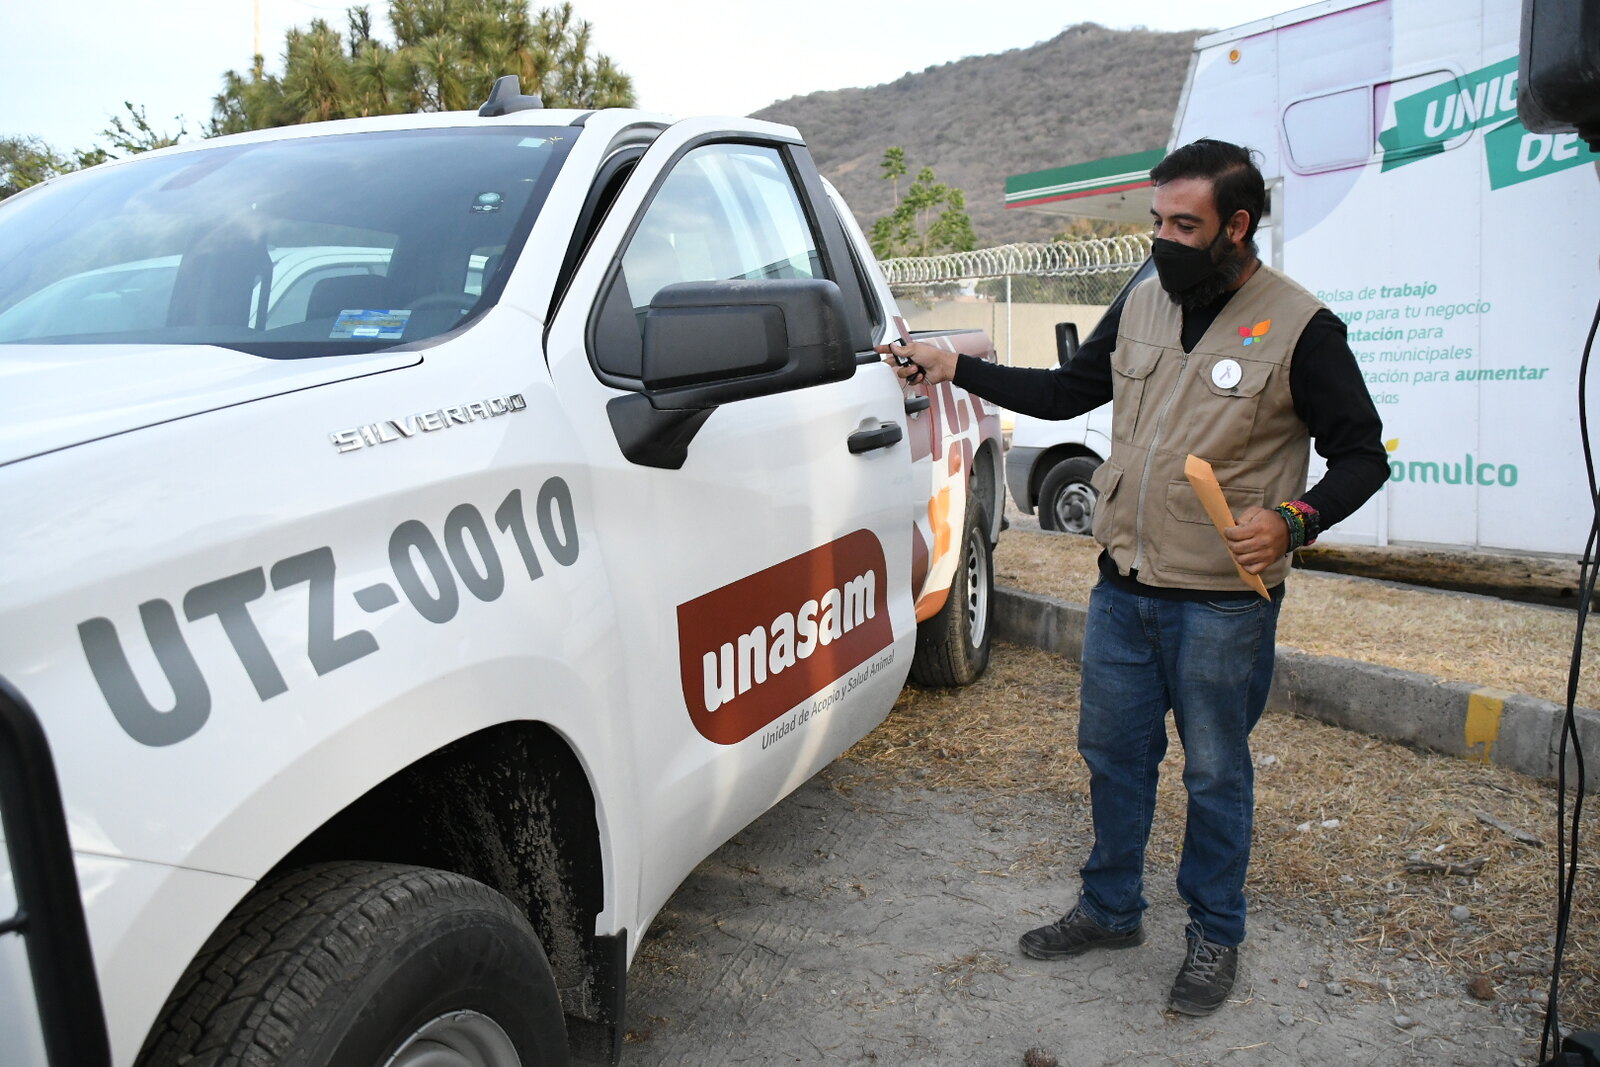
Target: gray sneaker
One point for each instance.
(1206, 977)
(1074, 934)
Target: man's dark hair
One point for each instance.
(1236, 181)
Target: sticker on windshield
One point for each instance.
(369, 324)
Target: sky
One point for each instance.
(66, 68)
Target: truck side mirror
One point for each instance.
(710, 343)
(1066, 341)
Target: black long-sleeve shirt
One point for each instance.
(1325, 384)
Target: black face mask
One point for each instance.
(1181, 266)
(1194, 277)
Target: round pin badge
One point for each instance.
(1226, 374)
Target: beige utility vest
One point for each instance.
(1227, 402)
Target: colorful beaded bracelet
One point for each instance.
(1303, 521)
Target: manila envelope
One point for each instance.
(1204, 480)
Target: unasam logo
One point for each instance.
(755, 648)
(1252, 334)
(1470, 470)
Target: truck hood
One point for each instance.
(55, 396)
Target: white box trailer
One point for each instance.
(1458, 247)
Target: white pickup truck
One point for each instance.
(428, 537)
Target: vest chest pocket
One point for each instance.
(1131, 365)
(1223, 412)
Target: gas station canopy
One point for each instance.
(1114, 188)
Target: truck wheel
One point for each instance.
(1066, 500)
(366, 965)
(953, 646)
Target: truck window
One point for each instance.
(1329, 132)
(306, 246)
(726, 211)
(309, 272)
(857, 287)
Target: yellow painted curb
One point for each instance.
(1484, 708)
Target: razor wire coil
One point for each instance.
(1097, 255)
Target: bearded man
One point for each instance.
(1221, 356)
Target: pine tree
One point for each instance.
(446, 56)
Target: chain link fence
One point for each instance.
(1017, 293)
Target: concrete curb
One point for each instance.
(1477, 723)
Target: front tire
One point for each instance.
(953, 646)
(1067, 499)
(366, 965)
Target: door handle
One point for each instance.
(917, 403)
(883, 436)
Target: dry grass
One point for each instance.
(959, 972)
(1012, 735)
(1520, 647)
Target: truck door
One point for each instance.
(763, 571)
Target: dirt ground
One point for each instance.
(872, 917)
(864, 923)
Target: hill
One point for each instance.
(1089, 92)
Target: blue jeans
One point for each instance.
(1211, 663)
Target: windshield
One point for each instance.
(311, 246)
